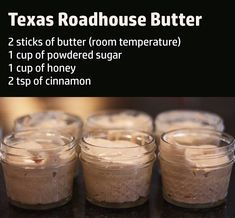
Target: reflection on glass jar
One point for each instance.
(178, 119)
(64, 122)
(38, 168)
(93, 211)
(196, 166)
(171, 211)
(117, 167)
(120, 119)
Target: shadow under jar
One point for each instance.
(38, 167)
(196, 165)
(57, 120)
(117, 167)
(120, 119)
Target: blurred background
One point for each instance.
(11, 108)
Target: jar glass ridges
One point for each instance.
(120, 119)
(38, 168)
(117, 167)
(196, 166)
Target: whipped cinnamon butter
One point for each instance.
(194, 172)
(117, 167)
(38, 168)
(55, 120)
(120, 119)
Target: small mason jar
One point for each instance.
(117, 167)
(120, 119)
(178, 119)
(38, 167)
(196, 166)
(58, 120)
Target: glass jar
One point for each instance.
(38, 167)
(68, 123)
(120, 119)
(58, 120)
(178, 119)
(196, 166)
(117, 167)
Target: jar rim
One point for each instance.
(56, 112)
(116, 111)
(159, 156)
(141, 165)
(222, 135)
(165, 115)
(71, 139)
(126, 131)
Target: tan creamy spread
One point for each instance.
(41, 173)
(197, 175)
(116, 174)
